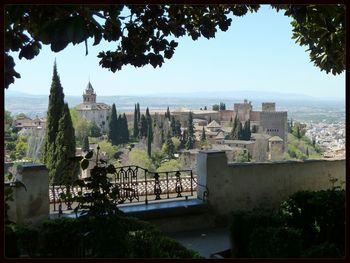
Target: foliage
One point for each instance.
(94, 130)
(190, 133)
(74, 117)
(169, 165)
(324, 250)
(275, 242)
(59, 142)
(176, 141)
(108, 148)
(321, 28)
(215, 107)
(113, 131)
(320, 215)
(21, 115)
(66, 169)
(149, 140)
(243, 223)
(237, 130)
(136, 121)
(54, 113)
(86, 147)
(242, 157)
(308, 224)
(298, 148)
(116, 236)
(140, 158)
(81, 129)
(21, 147)
(169, 147)
(143, 126)
(203, 137)
(146, 35)
(246, 133)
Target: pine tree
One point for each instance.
(86, 147)
(170, 146)
(203, 137)
(65, 170)
(113, 126)
(190, 135)
(136, 125)
(54, 113)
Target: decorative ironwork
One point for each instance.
(178, 186)
(131, 184)
(157, 189)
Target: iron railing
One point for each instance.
(133, 184)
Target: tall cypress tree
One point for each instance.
(54, 113)
(136, 124)
(86, 146)
(149, 141)
(167, 115)
(143, 126)
(203, 137)
(65, 169)
(190, 135)
(246, 131)
(173, 126)
(113, 126)
(234, 129)
(138, 113)
(239, 132)
(178, 128)
(125, 130)
(170, 146)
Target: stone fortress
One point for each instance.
(271, 126)
(92, 111)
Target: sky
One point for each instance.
(255, 54)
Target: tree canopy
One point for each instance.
(146, 34)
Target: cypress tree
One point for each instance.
(167, 114)
(136, 124)
(125, 130)
(190, 135)
(65, 170)
(86, 146)
(178, 128)
(246, 131)
(234, 129)
(170, 146)
(239, 131)
(54, 113)
(173, 126)
(203, 137)
(138, 113)
(113, 126)
(149, 141)
(143, 126)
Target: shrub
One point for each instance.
(324, 250)
(275, 242)
(320, 215)
(243, 224)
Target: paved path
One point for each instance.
(205, 241)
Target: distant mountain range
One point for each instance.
(295, 104)
(232, 95)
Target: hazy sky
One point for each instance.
(256, 53)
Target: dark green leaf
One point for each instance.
(84, 164)
(89, 155)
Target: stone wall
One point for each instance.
(31, 206)
(249, 185)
